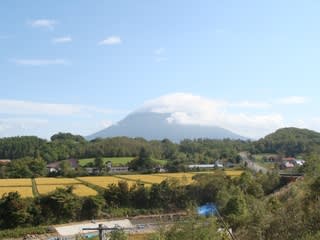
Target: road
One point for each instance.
(252, 165)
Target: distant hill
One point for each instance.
(154, 126)
(289, 141)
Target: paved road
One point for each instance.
(252, 165)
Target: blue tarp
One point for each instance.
(207, 209)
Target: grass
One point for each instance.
(117, 161)
(20, 232)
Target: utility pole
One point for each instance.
(101, 228)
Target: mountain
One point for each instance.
(155, 126)
(290, 141)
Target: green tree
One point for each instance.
(13, 210)
(118, 234)
(91, 207)
(193, 229)
(60, 206)
(98, 163)
(143, 162)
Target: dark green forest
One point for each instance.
(286, 141)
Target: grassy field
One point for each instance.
(117, 161)
(259, 158)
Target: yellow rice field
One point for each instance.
(184, 178)
(233, 173)
(56, 181)
(79, 189)
(145, 178)
(46, 185)
(23, 191)
(18, 182)
(104, 181)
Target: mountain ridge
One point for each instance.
(155, 126)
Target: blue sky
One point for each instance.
(78, 66)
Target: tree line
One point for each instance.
(65, 145)
(286, 141)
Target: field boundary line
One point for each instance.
(35, 188)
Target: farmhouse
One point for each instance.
(203, 166)
(55, 166)
(4, 161)
(117, 169)
(290, 162)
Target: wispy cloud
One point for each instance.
(20, 123)
(40, 62)
(18, 107)
(159, 55)
(18, 117)
(250, 104)
(159, 51)
(112, 40)
(43, 23)
(292, 100)
(66, 39)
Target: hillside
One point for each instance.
(289, 141)
(155, 126)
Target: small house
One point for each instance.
(55, 166)
(5, 161)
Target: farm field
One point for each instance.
(104, 181)
(184, 178)
(57, 181)
(147, 178)
(46, 185)
(15, 182)
(22, 185)
(23, 191)
(79, 189)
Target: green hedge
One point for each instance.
(20, 232)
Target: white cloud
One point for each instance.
(159, 55)
(43, 23)
(40, 62)
(106, 123)
(250, 104)
(159, 51)
(66, 39)
(292, 100)
(112, 40)
(185, 108)
(17, 107)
